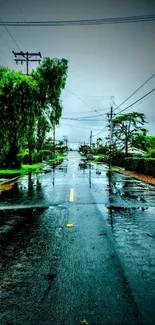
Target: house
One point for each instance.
(132, 151)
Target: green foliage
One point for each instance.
(24, 169)
(43, 127)
(29, 107)
(51, 78)
(149, 164)
(126, 127)
(151, 153)
(98, 142)
(85, 149)
(143, 142)
(141, 165)
(139, 141)
(150, 142)
(101, 150)
(18, 109)
(37, 156)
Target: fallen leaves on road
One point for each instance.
(6, 187)
(141, 177)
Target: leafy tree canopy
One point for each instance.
(18, 106)
(126, 126)
(143, 142)
(51, 77)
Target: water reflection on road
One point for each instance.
(30, 260)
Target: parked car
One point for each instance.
(82, 163)
(90, 157)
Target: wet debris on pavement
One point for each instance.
(150, 235)
(102, 234)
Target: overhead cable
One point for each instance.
(5, 42)
(138, 100)
(2, 23)
(81, 22)
(153, 75)
(84, 102)
(83, 118)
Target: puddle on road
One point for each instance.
(30, 261)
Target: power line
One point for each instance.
(138, 100)
(79, 126)
(94, 135)
(135, 91)
(103, 109)
(84, 102)
(5, 41)
(82, 22)
(2, 23)
(84, 118)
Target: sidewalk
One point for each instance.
(144, 178)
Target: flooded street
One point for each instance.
(100, 271)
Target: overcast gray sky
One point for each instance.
(104, 60)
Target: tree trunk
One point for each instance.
(126, 141)
(11, 159)
(30, 152)
(126, 148)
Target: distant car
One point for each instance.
(82, 163)
(90, 157)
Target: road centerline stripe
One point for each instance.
(71, 195)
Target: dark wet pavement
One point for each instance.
(100, 271)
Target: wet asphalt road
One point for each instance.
(101, 271)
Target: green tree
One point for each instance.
(51, 78)
(126, 127)
(85, 149)
(43, 127)
(150, 142)
(18, 107)
(98, 142)
(139, 141)
(143, 142)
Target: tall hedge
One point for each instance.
(141, 165)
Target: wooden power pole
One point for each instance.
(90, 140)
(27, 57)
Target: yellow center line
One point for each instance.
(71, 195)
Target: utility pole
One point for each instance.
(26, 57)
(90, 140)
(54, 140)
(65, 140)
(110, 117)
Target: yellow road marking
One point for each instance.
(69, 225)
(71, 195)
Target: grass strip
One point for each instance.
(22, 170)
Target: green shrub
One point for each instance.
(149, 166)
(37, 157)
(151, 153)
(141, 165)
(46, 154)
